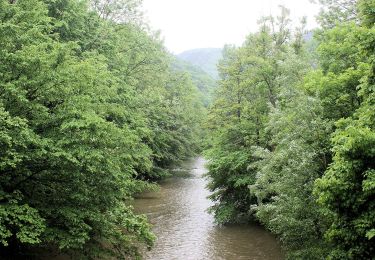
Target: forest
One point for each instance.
(94, 110)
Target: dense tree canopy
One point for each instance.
(91, 111)
(292, 128)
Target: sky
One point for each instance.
(190, 24)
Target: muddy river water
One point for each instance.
(186, 231)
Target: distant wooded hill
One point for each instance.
(205, 58)
(204, 82)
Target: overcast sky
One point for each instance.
(190, 24)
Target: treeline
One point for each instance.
(293, 133)
(204, 82)
(91, 111)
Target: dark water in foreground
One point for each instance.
(186, 231)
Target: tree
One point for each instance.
(346, 190)
(272, 120)
(78, 142)
(251, 86)
(286, 175)
(334, 12)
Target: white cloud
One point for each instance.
(189, 24)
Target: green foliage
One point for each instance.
(292, 140)
(286, 177)
(334, 12)
(16, 217)
(367, 13)
(346, 191)
(347, 188)
(229, 183)
(248, 91)
(205, 83)
(90, 109)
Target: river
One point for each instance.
(186, 231)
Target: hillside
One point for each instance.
(205, 58)
(200, 78)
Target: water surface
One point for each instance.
(186, 231)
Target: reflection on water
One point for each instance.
(186, 231)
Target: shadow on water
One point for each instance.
(185, 230)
